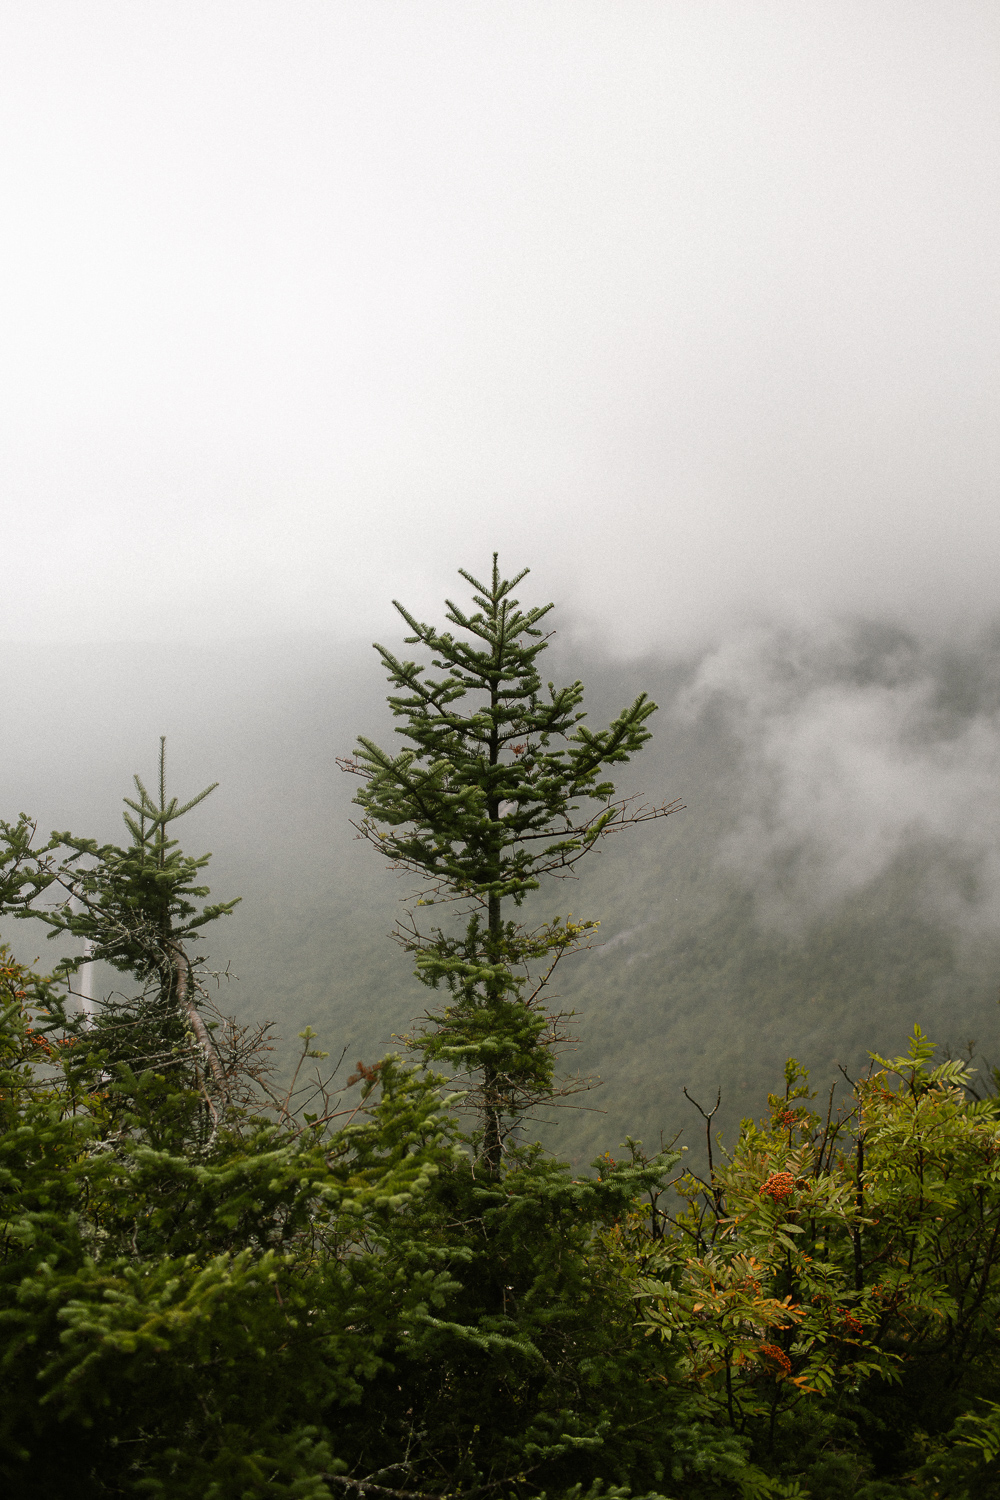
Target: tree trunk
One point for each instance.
(186, 1005)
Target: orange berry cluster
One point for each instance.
(778, 1356)
(778, 1186)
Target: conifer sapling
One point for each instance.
(136, 907)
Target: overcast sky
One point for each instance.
(692, 306)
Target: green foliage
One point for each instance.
(485, 801)
(24, 871)
(482, 802)
(173, 1314)
(135, 906)
(833, 1290)
(289, 1302)
(307, 1306)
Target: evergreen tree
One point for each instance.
(489, 795)
(136, 908)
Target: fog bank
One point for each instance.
(692, 307)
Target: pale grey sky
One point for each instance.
(692, 306)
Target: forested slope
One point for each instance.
(726, 947)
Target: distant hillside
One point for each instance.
(831, 881)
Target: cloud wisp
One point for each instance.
(860, 746)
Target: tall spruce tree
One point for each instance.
(500, 784)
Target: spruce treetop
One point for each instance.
(485, 801)
(135, 906)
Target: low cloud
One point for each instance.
(862, 747)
